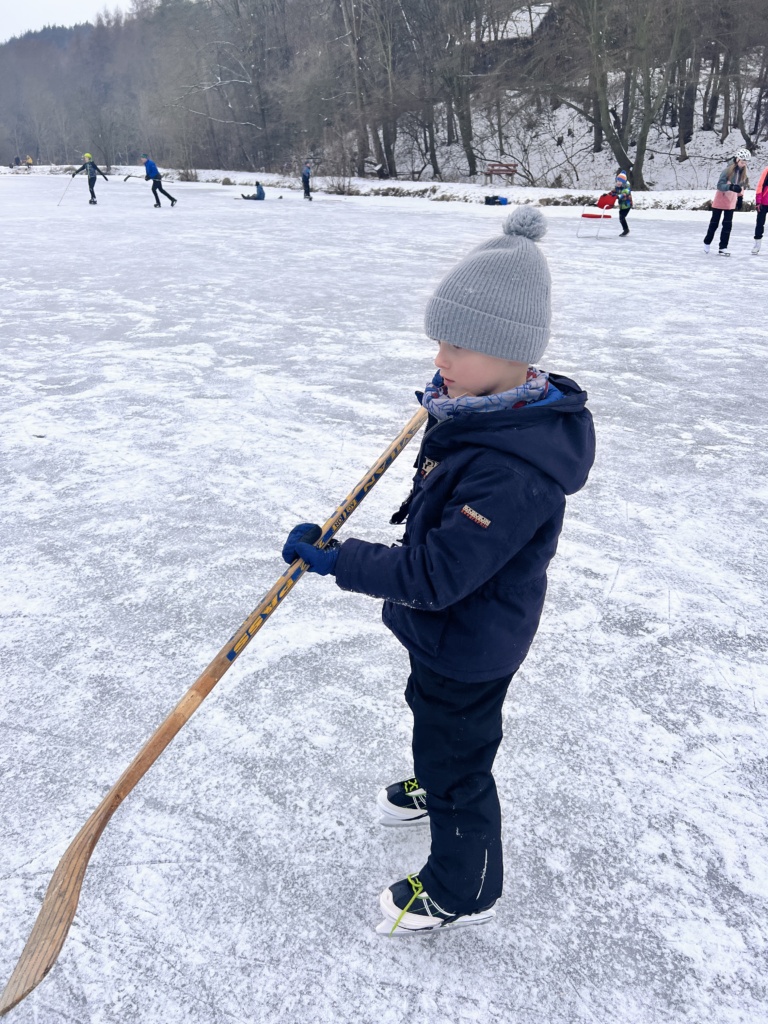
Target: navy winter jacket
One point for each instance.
(92, 170)
(465, 590)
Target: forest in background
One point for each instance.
(393, 85)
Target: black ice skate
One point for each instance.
(408, 908)
(403, 803)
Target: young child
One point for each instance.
(151, 173)
(505, 442)
(623, 190)
(92, 170)
(730, 185)
(761, 202)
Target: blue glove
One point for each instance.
(300, 544)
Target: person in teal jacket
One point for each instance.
(623, 190)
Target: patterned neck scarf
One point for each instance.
(440, 405)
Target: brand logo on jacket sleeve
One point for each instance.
(428, 465)
(476, 517)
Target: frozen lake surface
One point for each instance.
(179, 388)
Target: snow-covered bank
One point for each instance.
(674, 199)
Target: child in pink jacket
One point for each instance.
(730, 185)
(761, 201)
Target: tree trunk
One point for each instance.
(688, 104)
(597, 123)
(351, 14)
(429, 121)
(389, 134)
(712, 95)
(450, 124)
(725, 87)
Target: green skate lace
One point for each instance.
(418, 889)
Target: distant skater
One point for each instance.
(153, 174)
(258, 194)
(306, 174)
(28, 163)
(92, 170)
(623, 191)
(761, 202)
(730, 185)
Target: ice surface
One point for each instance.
(178, 389)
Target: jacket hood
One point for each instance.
(557, 438)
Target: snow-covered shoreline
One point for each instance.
(672, 199)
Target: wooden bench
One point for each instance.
(503, 170)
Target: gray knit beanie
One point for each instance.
(497, 300)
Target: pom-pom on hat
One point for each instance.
(497, 299)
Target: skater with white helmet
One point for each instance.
(730, 186)
(92, 170)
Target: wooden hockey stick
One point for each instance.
(60, 902)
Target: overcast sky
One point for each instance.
(18, 17)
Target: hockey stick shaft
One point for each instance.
(72, 178)
(60, 902)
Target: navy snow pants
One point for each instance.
(157, 186)
(456, 733)
(760, 222)
(725, 231)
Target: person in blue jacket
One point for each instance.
(151, 173)
(258, 194)
(92, 170)
(505, 443)
(306, 174)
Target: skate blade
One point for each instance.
(392, 822)
(385, 927)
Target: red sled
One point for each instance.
(588, 213)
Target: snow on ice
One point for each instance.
(180, 388)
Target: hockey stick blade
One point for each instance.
(60, 901)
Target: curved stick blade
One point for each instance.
(55, 917)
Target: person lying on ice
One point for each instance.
(505, 443)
